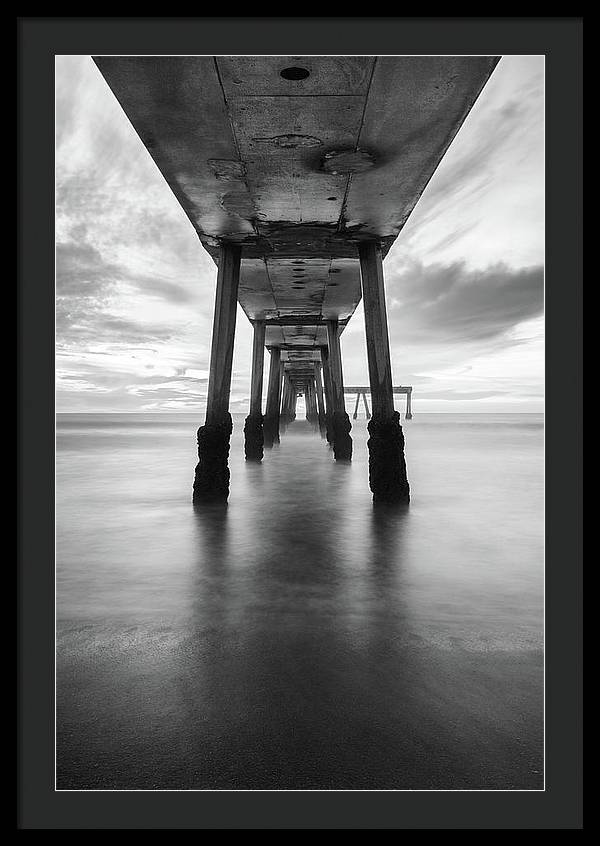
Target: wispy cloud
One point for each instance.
(451, 303)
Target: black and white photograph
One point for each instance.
(300, 431)
(299, 422)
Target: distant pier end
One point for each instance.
(298, 174)
(362, 391)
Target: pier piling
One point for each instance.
(253, 427)
(211, 481)
(320, 398)
(340, 422)
(271, 419)
(387, 466)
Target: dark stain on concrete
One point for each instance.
(240, 203)
(291, 141)
(227, 170)
(347, 161)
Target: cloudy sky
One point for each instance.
(135, 288)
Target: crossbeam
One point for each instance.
(300, 320)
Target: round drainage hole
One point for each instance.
(295, 74)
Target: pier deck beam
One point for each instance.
(340, 422)
(271, 420)
(253, 427)
(387, 466)
(211, 482)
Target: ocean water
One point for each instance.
(299, 638)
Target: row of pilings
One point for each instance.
(321, 383)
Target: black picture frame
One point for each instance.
(559, 806)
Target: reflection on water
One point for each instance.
(299, 637)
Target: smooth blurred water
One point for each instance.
(299, 638)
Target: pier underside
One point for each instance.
(298, 173)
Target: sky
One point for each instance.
(464, 280)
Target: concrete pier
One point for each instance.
(288, 403)
(408, 415)
(271, 419)
(306, 170)
(284, 410)
(387, 466)
(253, 427)
(312, 414)
(211, 482)
(320, 398)
(340, 422)
(327, 392)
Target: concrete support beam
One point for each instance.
(253, 427)
(408, 415)
(320, 398)
(283, 416)
(271, 421)
(285, 396)
(387, 466)
(327, 391)
(211, 482)
(312, 413)
(355, 415)
(288, 405)
(280, 386)
(340, 422)
(258, 357)
(300, 320)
